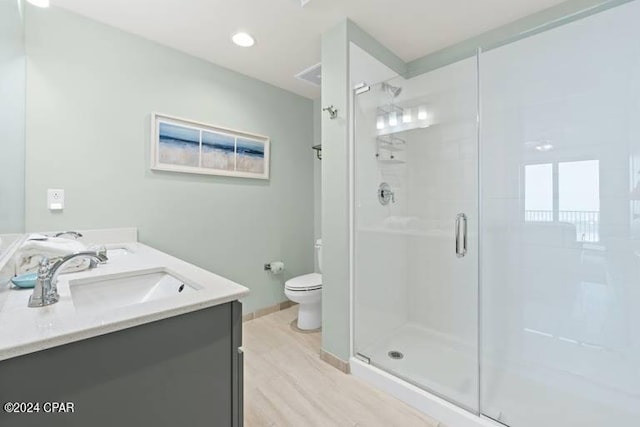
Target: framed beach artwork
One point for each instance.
(181, 145)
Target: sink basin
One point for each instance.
(120, 290)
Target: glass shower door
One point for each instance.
(561, 225)
(415, 231)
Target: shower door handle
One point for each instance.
(461, 247)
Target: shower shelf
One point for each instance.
(387, 146)
(391, 161)
(405, 127)
(390, 147)
(391, 140)
(389, 108)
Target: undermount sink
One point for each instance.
(125, 289)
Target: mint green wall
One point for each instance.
(12, 105)
(317, 172)
(90, 91)
(335, 178)
(335, 196)
(544, 20)
(359, 37)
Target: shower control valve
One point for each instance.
(385, 194)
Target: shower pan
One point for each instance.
(501, 284)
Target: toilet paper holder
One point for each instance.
(275, 267)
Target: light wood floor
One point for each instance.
(286, 383)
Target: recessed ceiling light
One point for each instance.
(240, 38)
(40, 3)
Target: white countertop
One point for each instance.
(25, 330)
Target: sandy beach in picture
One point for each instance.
(250, 164)
(218, 151)
(250, 156)
(179, 145)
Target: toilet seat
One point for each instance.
(306, 282)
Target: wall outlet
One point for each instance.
(55, 199)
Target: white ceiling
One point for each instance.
(288, 36)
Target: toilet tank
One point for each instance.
(318, 247)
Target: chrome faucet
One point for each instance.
(45, 291)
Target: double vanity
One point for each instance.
(144, 339)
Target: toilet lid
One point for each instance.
(306, 282)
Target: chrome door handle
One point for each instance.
(461, 250)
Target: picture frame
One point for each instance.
(188, 146)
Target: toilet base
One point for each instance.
(309, 302)
(309, 316)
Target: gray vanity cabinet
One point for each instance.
(179, 371)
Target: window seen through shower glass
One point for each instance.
(538, 200)
(579, 197)
(578, 200)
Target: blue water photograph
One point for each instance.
(181, 145)
(178, 145)
(218, 151)
(250, 156)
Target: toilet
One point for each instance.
(306, 290)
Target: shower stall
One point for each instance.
(496, 230)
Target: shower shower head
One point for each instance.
(391, 90)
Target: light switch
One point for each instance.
(55, 199)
